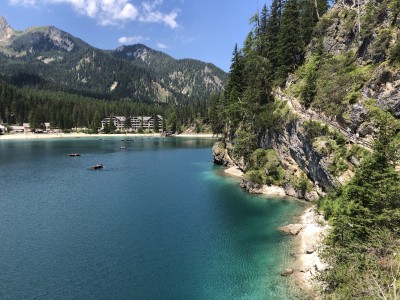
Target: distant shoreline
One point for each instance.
(34, 136)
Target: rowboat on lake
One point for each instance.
(97, 166)
(74, 154)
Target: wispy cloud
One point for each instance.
(132, 39)
(23, 2)
(162, 46)
(114, 12)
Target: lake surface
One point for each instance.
(158, 222)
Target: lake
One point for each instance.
(159, 221)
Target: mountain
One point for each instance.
(49, 58)
(186, 76)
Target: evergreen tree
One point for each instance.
(127, 124)
(156, 126)
(111, 124)
(216, 121)
(96, 122)
(272, 35)
(236, 78)
(371, 200)
(290, 44)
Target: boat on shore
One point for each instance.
(97, 166)
(74, 154)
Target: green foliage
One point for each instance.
(315, 129)
(394, 52)
(96, 123)
(274, 47)
(244, 144)
(338, 82)
(376, 11)
(357, 151)
(256, 176)
(309, 74)
(365, 215)
(33, 59)
(265, 168)
(334, 145)
(301, 183)
(274, 116)
(381, 44)
(65, 111)
(290, 42)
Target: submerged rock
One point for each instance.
(287, 272)
(292, 229)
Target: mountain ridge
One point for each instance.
(67, 62)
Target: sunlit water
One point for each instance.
(158, 222)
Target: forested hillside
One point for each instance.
(51, 59)
(312, 105)
(68, 111)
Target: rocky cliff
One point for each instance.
(355, 52)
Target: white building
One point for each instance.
(143, 122)
(24, 128)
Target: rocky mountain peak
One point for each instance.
(5, 29)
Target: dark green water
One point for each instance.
(158, 222)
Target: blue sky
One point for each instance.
(202, 29)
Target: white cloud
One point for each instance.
(162, 46)
(114, 12)
(152, 15)
(23, 2)
(132, 39)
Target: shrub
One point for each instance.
(315, 129)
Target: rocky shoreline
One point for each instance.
(309, 234)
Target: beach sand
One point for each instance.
(309, 234)
(309, 242)
(234, 171)
(25, 136)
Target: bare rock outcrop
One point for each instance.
(5, 30)
(221, 156)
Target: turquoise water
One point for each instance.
(158, 222)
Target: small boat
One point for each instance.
(97, 166)
(122, 147)
(74, 154)
(129, 140)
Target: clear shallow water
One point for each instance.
(158, 222)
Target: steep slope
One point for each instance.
(323, 122)
(189, 77)
(47, 57)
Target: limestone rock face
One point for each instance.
(220, 155)
(388, 97)
(358, 115)
(5, 30)
(292, 144)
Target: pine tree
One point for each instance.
(272, 35)
(236, 79)
(96, 122)
(371, 200)
(290, 44)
